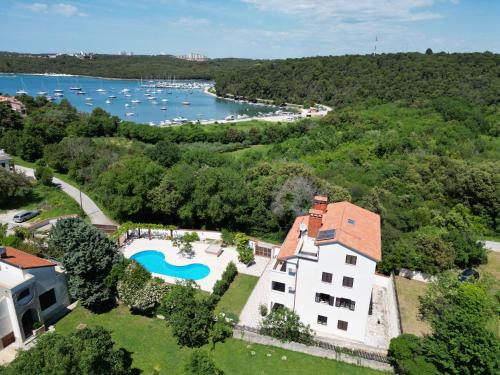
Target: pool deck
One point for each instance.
(216, 264)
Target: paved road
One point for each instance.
(492, 245)
(89, 207)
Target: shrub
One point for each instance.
(43, 174)
(222, 285)
(227, 237)
(201, 363)
(245, 253)
(285, 325)
(406, 356)
(262, 309)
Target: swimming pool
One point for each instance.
(154, 261)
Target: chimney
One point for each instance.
(315, 219)
(320, 203)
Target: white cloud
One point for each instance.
(352, 10)
(62, 9)
(189, 22)
(37, 7)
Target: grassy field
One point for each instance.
(491, 272)
(237, 295)
(244, 151)
(408, 293)
(151, 343)
(50, 201)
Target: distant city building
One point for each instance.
(15, 104)
(193, 57)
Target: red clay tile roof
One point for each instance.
(363, 235)
(24, 260)
(292, 239)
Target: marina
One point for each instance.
(159, 103)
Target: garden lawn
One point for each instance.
(408, 293)
(151, 343)
(491, 270)
(237, 295)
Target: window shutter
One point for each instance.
(337, 302)
(331, 300)
(353, 305)
(317, 297)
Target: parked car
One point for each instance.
(22, 216)
(469, 274)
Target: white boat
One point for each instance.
(59, 94)
(163, 108)
(180, 119)
(154, 102)
(88, 99)
(136, 101)
(128, 114)
(108, 101)
(100, 90)
(128, 95)
(58, 91)
(229, 118)
(42, 93)
(164, 100)
(75, 88)
(186, 103)
(151, 98)
(21, 92)
(127, 105)
(112, 96)
(88, 103)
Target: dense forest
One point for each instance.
(430, 169)
(117, 66)
(345, 80)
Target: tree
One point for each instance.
(29, 148)
(44, 175)
(190, 318)
(185, 243)
(406, 355)
(461, 342)
(88, 257)
(88, 351)
(165, 153)
(245, 253)
(13, 187)
(201, 363)
(285, 325)
(221, 330)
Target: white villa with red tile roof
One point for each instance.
(31, 290)
(325, 268)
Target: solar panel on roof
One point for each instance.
(326, 234)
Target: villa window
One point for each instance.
(323, 320)
(341, 324)
(351, 259)
(47, 299)
(345, 303)
(24, 293)
(326, 277)
(324, 298)
(348, 282)
(280, 287)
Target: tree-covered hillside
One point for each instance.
(429, 169)
(347, 80)
(115, 66)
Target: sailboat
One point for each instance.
(23, 90)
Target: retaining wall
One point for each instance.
(316, 351)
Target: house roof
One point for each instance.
(355, 228)
(20, 259)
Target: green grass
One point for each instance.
(151, 343)
(50, 201)
(491, 272)
(237, 295)
(244, 151)
(408, 293)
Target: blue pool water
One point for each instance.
(154, 261)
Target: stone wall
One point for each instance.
(312, 350)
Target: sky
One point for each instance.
(250, 28)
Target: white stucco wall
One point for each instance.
(309, 273)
